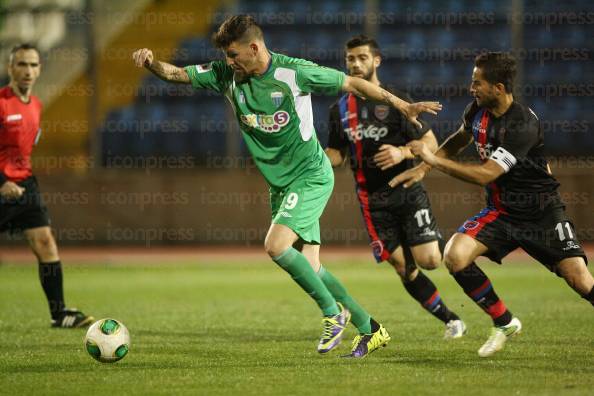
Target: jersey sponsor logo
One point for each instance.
(266, 122)
(285, 214)
(14, 117)
(206, 67)
(381, 112)
(277, 98)
(369, 132)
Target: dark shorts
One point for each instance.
(26, 212)
(398, 217)
(549, 239)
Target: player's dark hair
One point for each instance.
(237, 28)
(22, 46)
(497, 67)
(361, 40)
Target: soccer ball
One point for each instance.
(107, 340)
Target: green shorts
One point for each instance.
(300, 205)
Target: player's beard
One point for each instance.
(367, 76)
(487, 102)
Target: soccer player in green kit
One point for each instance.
(270, 95)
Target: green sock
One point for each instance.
(359, 316)
(300, 270)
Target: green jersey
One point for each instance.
(274, 112)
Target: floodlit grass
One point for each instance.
(247, 329)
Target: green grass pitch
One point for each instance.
(228, 329)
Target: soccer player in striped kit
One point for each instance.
(21, 206)
(399, 221)
(524, 208)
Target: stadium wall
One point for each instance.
(218, 207)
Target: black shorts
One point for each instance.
(395, 217)
(26, 212)
(549, 239)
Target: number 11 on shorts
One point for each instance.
(562, 235)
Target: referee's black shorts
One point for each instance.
(26, 212)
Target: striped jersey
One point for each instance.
(515, 141)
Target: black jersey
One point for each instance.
(363, 126)
(515, 141)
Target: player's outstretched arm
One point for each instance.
(452, 146)
(481, 174)
(165, 71)
(363, 88)
(389, 155)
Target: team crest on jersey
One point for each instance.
(378, 248)
(381, 112)
(266, 122)
(277, 98)
(470, 225)
(206, 67)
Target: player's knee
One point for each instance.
(429, 261)
(454, 258)
(275, 247)
(44, 244)
(576, 274)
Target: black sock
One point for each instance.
(424, 291)
(590, 297)
(478, 287)
(50, 275)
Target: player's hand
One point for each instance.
(143, 57)
(420, 149)
(388, 156)
(413, 110)
(11, 190)
(410, 176)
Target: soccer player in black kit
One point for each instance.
(523, 209)
(399, 221)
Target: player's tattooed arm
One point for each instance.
(169, 72)
(365, 89)
(165, 71)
